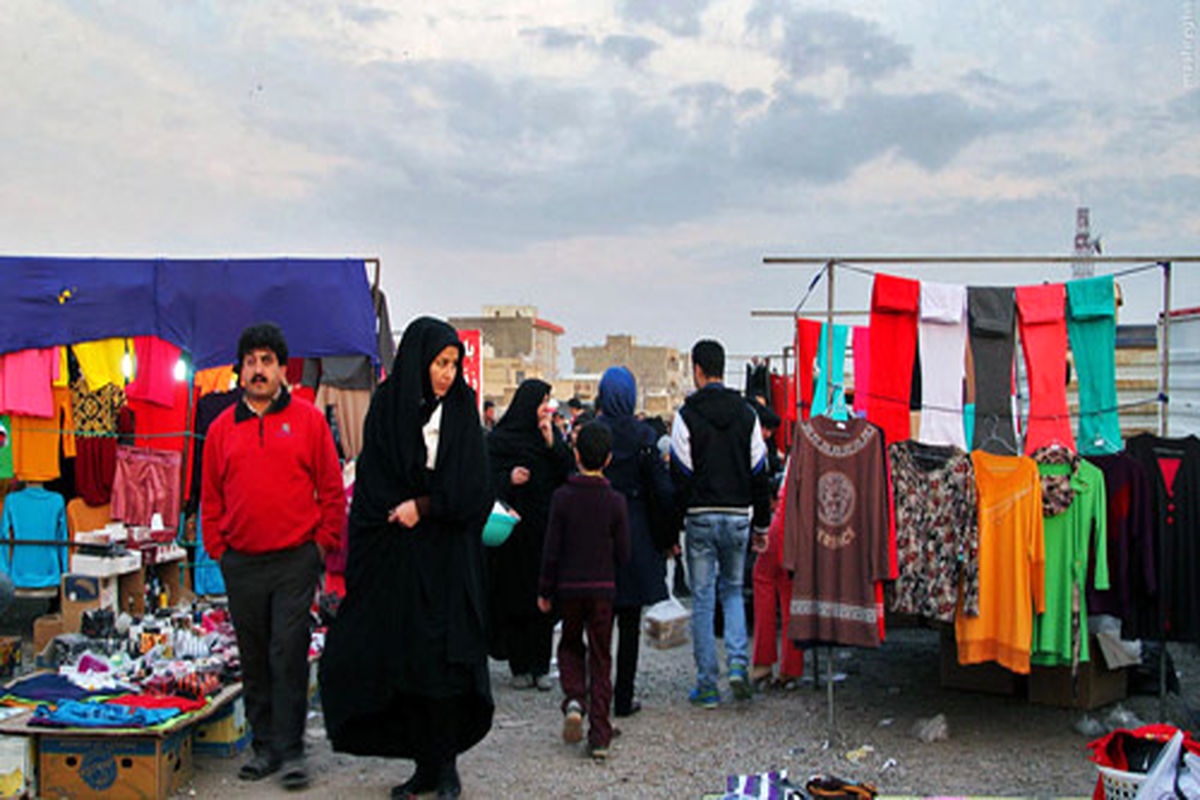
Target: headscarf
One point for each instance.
(516, 434)
(391, 468)
(618, 393)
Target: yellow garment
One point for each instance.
(64, 373)
(215, 379)
(1011, 563)
(101, 362)
(35, 448)
(65, 418)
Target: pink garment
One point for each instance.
(772, 593)
(861, 347)
(25, 378)
(147, 481)
(1043, 321)
(808, 339)
(155, 379)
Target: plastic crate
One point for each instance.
(1119, 784)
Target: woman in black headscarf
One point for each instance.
(529, 461)
(405, 667)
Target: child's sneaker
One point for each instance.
(573, 723)
(704, 698)
(598, 752)
(739, 682)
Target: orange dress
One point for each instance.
(1011, 563)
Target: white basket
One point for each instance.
(1120, 785)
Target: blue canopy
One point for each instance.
(201, 305)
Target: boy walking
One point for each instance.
(587, 535)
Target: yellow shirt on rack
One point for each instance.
(101, 362)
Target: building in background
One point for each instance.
(664, 374)
(517, 344)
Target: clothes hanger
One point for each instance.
(994, 436)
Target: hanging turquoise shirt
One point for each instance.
(836, 410)
(1092, 329)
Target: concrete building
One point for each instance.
(517, 344)
(664, 374)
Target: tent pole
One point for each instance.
(1162, 431)
(829, 390)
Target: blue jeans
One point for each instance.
(716, 543)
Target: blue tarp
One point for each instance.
(323, 305)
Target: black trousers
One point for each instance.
(629, 623)
(270, 597)
(530, 641)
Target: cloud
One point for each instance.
(679, 17)
(553, 38)
(364, 15)
(813, 42)
(629, 50)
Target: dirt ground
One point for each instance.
(999, 746)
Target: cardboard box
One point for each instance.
(106, 566)
(18, 763)
(82, 593)
(987, 678)
(45, 628)
(223, 735)
(1093, 685)
(10, 657)
(118, 765)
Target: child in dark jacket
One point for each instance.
(587, 535)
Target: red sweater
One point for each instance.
(271, 482)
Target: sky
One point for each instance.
(624, 165)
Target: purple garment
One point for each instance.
(49, 688)
(1131, 572)
(587, 535)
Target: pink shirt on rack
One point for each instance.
(25, 378)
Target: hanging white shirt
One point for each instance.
(942, 332)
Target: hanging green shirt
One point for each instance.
(1066, 544)
(6, 452)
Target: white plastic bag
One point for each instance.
(1160, 780)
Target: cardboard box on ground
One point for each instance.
(114, 765)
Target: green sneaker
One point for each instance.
(704, 698)
(739, 682)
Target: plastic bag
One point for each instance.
(1160, 780)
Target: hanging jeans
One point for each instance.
(821, 404)
(1092, 327)
(992, 336)
(942, 332)
(894, 305)
(1044, 343)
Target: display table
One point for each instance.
(116, 762)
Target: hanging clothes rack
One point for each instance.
(829, 266)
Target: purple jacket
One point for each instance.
(588, 534)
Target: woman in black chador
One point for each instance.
(529, 461)
(405, 667)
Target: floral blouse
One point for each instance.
(937, 532)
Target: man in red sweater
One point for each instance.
(272, 503)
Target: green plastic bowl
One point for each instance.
(499, 526)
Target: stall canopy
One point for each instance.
(201, 305)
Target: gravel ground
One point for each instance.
(996, 746)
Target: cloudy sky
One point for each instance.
(622, 164)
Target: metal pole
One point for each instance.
(1163, 428)
(829, 337)
(829, 695)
